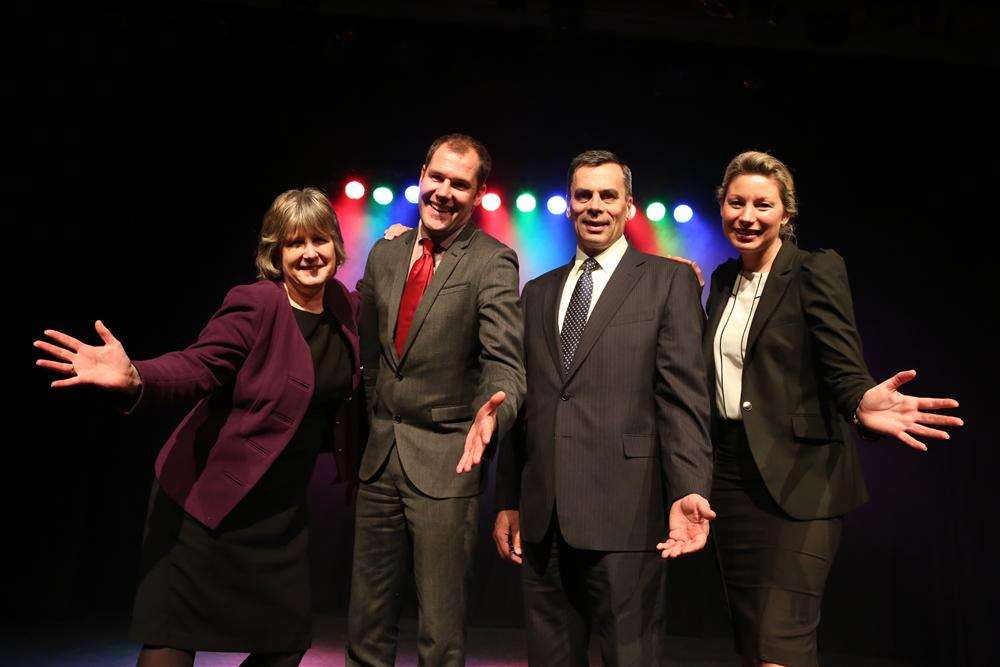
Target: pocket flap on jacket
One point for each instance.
(637, 446)
(451, 413)
(814, 427)
(631, 318)
(458, 287)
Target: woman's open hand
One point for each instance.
(884, 409)
(106, 366)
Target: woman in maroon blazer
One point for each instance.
(272, 376)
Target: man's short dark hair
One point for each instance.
(596, 159)
(461, 143)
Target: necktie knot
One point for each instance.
(428, 246)
(590, 264)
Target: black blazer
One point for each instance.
(620, 436)
(803, 377)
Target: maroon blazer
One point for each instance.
(252, 374)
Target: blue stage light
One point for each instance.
(683, 213)
(556, 205)
(412, 194)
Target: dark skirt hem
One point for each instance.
(221, 644)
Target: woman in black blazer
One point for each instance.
(788, 377)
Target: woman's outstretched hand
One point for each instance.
(106, 366)
(884, 409)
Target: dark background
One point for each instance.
(147, 144)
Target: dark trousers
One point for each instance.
(568, 593)
(398, 529)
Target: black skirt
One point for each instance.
(774, 567)
(244, 586)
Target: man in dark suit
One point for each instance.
(441, 336)
(613, 449)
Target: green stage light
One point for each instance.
(525, 202)
(656, 211)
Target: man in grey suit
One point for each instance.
(440, 337)
(612, 458)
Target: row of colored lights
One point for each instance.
(525, 202)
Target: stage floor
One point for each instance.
(102, 641)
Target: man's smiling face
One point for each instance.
(449, 191)
(599, 206)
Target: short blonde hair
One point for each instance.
(306, 210)
(763, 164)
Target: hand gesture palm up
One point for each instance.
(884, 409)
(105, 366)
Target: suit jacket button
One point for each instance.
(747, 406)
(399, 376)
(564, 397)
(397, 418)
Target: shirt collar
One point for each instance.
(608, 259)
(444, 245)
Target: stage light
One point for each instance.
(382, 195)
(656, 211)
(525, 202)
(556, 205)
(354, 190)
(491, 201)
(683, 213)
(412, 194)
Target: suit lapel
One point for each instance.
(717, 300)
(629, 270)
(550, 313)
(777, 282)
(400, 262)
(443, 271)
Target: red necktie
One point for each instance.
(416, 284)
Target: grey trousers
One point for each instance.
(399, 530)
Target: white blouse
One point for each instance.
(730, 343)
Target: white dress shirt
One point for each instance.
(607, 262)
(730, 343)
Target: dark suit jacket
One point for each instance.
(252, 376)
(464, 344)
(613, 442)
(803, 377)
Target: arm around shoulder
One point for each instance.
(368, 333)
(682, 399)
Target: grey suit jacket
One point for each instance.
(613, 442)
(464, 344)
